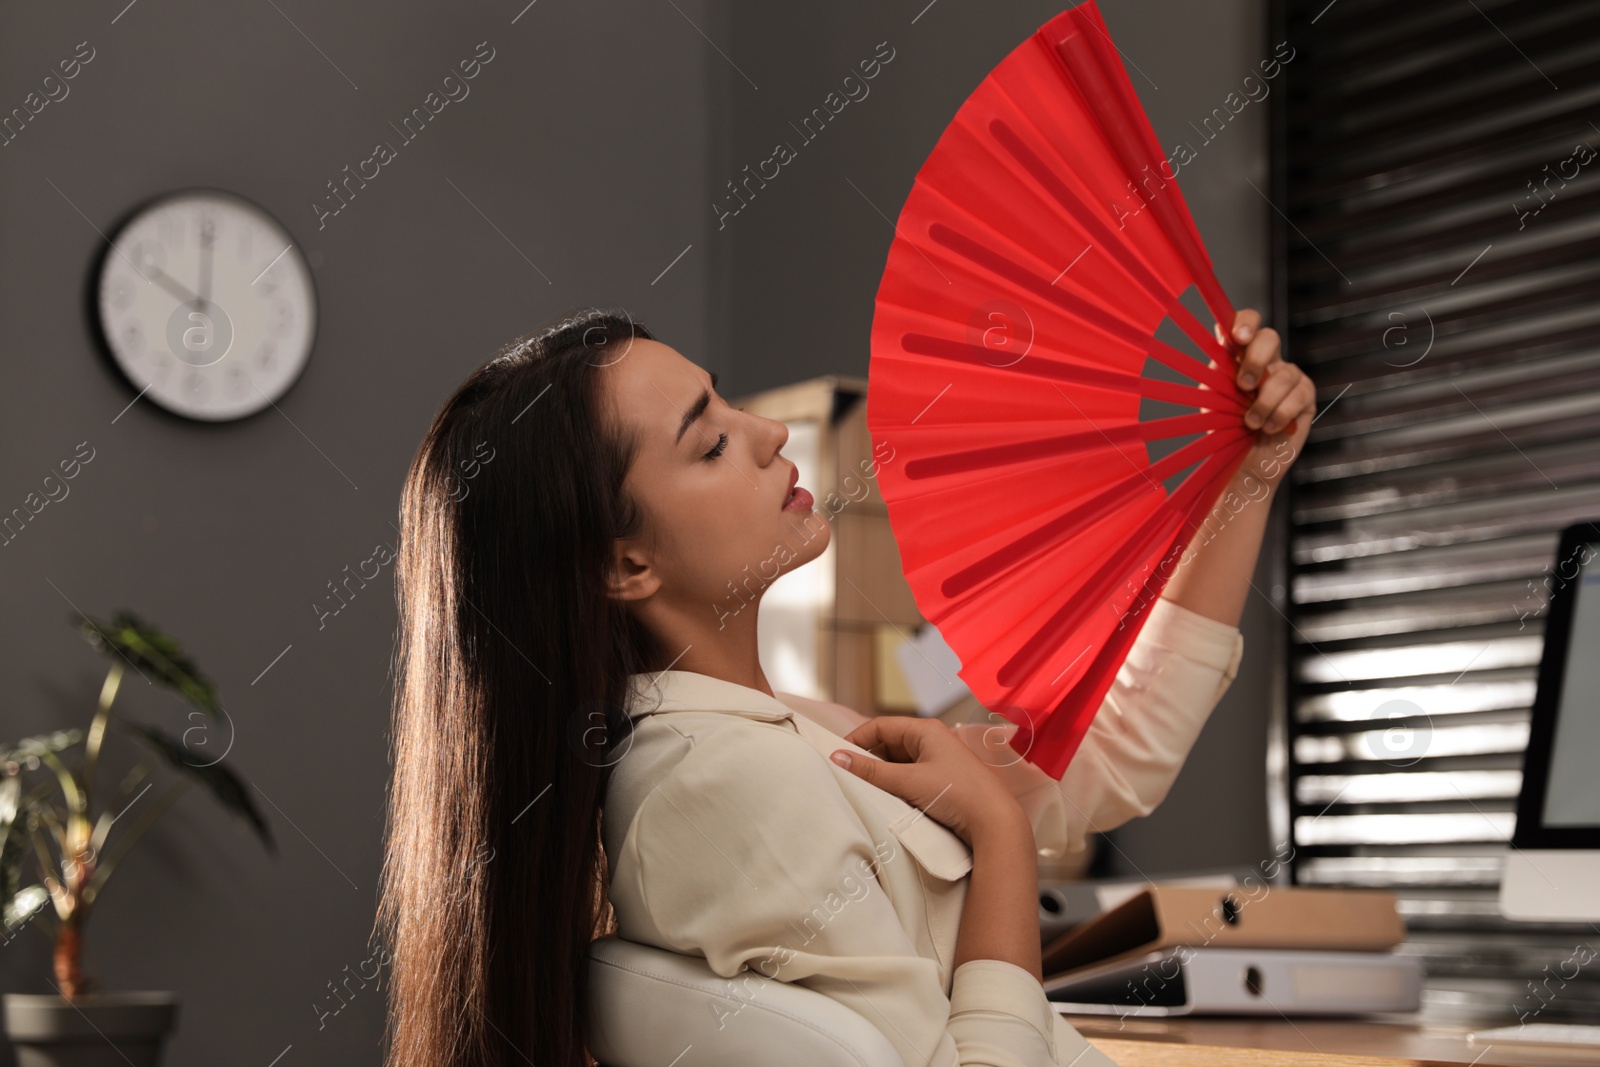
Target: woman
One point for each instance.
(565, 677)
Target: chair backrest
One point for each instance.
(650, 1005)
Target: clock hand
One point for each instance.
(207, 236)
(165, 280)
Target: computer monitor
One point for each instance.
(1552, 871)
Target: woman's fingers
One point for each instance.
(1285, 395)
(1301, 401)
(1272, 391)
(883, 736)
(894, 737)
(1258, 358)
(1258, 347)
(1246, 321)
(1284, 392)
(930, 768)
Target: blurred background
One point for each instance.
(589, 160)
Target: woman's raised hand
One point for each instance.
(1285, 400)
(924, 763)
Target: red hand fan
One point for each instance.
(1042, 249)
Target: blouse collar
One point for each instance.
(689, 691)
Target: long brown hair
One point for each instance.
(511, 677)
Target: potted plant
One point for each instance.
(52, 815)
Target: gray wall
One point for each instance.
(585, 141)
(596, 141)
(808, 251)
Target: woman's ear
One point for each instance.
(631, 576)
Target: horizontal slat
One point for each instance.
(1358, 36)
(1464, 416)
(1331, 258)
(1514, 690)
(1505, 484)
(1478, 739)
(1345, 459)
(1445, 67)
(1517, 94)
(1406, 357)
(1334, 179)
(1350, 42)
(1398, 293)
(1399, 871)
(1404, 577)
(1370, 401)
(1497, 952)
(1426, 568)
(1498, 476)
(1400, 787)
(1453, 270)
(1404, 829)
(1530, 302)
(1458, 523)
(1420, 907)
(1415, 660)
(1471, 190)
(1418, 615)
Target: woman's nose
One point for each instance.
(779, 431)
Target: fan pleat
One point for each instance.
(1075, 445)
(1062, 730)
(1055, 226)
(1061, 370)
(1085, 63)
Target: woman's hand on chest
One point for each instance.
(924, 763)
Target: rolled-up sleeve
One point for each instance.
(750, 854)
(1176, 671)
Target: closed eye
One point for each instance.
(717, 449)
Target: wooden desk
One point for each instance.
(1223, 1042)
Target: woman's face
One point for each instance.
(712, 485)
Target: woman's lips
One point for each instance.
(799, 500)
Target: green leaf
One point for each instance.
(23, 905)
(18, 821)
(34, 747)
(155, 655)
(12, 845)
(228, 787)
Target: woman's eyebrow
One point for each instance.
(696, 409)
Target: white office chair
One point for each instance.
(650, 1005)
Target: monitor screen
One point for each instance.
(1552, 870)
(1572, 788)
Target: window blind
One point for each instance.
(1435, 194)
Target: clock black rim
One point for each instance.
(102, 343)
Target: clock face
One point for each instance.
(207, 304)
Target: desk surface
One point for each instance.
(1224, 1042)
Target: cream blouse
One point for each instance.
(731, 835)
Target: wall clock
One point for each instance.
(206, 302)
